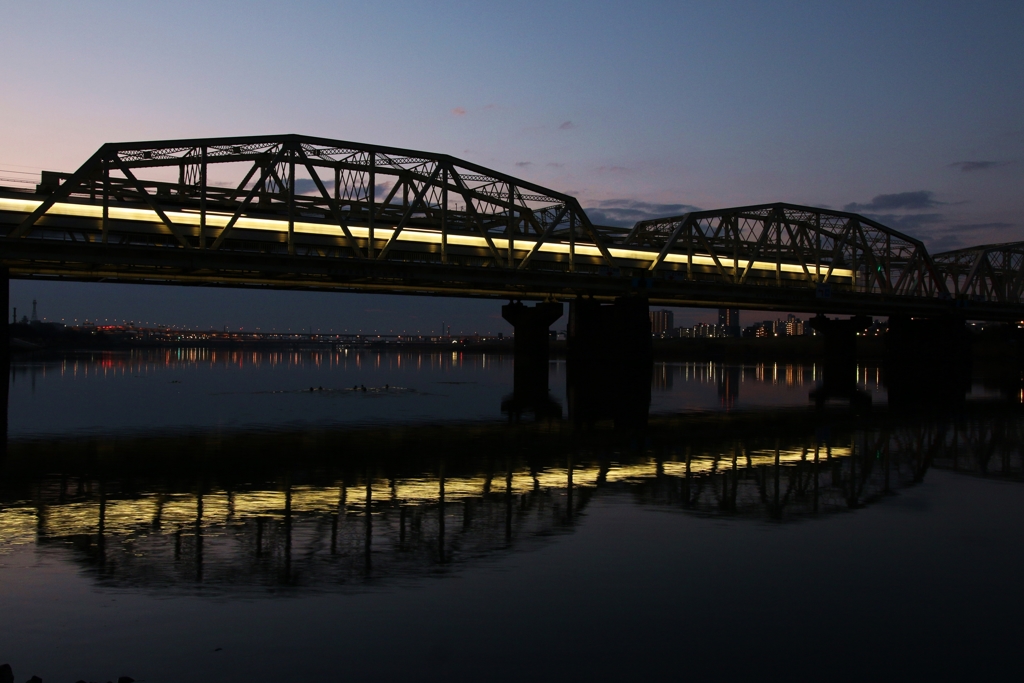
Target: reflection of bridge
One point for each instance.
(300, 212)
(228, 512)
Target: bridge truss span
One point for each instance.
(785, 243)
(991, 272)
(299, 212)
(314, 197)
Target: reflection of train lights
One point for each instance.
(20, 524)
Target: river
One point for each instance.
(200, 515)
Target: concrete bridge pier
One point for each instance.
(839, 369)
(928, 362)
(617, 333)
(938, 340)
(609, 361)
(840, 336)
(532, 351)
(5, 354)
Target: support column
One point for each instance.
(532, 351)
(840, 336)
(5, 353)
(619, 332)
(609, 361)
(928, 363)
(939, 341)
(839, 371)
(531, 328)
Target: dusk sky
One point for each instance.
(910, 112)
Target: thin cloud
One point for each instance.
(900, 201)
(939, 237)
(554, 164)
(490, 106)
(612, 169)
(907, 222)
(459, 111)
(972, 166)
(523, 164)
(626, 212)
(941, 243)
(567, 125)
(306, 186)
(982, 226)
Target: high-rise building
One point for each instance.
(729, 320)
(662, 323)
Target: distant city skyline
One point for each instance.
(909, 113)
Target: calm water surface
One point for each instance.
(193, 515)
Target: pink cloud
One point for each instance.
(459, 111)
(568, 125)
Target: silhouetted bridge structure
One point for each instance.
(297, 212)
(308, 213)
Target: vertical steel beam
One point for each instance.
(511, 224)
(689, 250)
(372, 198)
(572, 241)
(444, 216)
(291, 202)
(734, 223)
(202, 200)
(5, 354)
(817, 248)
(778, 248)
(105, 228)
(888, 263)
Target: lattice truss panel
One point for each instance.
(316, 197)
(993, 272)
(783, 243)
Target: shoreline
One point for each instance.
(806, 348)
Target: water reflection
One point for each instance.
(182, 389)
(338, 508)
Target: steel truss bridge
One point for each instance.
(297, 212)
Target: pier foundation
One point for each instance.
(5, 353)
(532, 344)
(609, 361)
(839, 369)
(928, 363)
(927, 341)
(840, 336)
